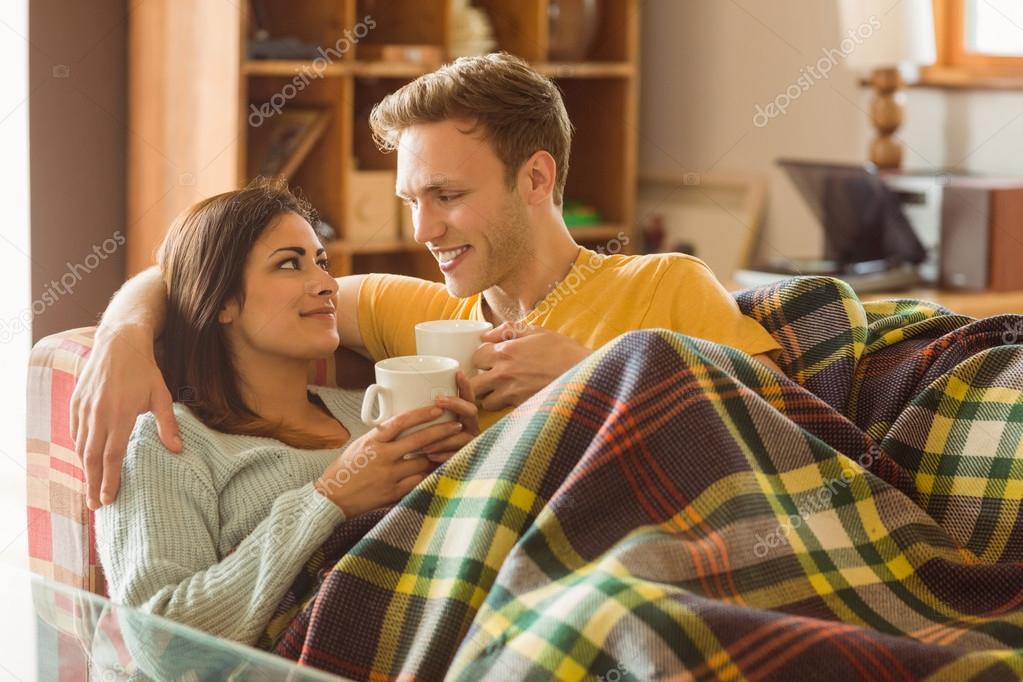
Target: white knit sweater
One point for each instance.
(164, 544)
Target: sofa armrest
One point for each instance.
(61, 538)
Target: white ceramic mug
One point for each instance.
(408, 382)
(456, 339)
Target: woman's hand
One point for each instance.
(466, 412)
(374, 472)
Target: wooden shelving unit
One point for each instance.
(290, 67)
(192, 128)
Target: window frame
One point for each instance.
(955, 66)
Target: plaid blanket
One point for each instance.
(670, 509)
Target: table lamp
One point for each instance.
(879, 36)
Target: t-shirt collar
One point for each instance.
(476, 311)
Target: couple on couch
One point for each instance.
(227, 492)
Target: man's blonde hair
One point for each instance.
(518, 110)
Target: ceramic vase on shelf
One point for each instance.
(572, 28)
(472, 32)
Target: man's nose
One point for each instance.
(427, 225)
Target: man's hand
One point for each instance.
(119, 382)
(517, 361)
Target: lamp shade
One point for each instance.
(884, 34)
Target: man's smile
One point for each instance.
(450, 258)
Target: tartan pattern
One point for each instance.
(670, 508)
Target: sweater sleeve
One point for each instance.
(158, 544)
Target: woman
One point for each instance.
(214, 536)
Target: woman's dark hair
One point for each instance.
(202, 259)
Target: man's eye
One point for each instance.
(448, 198)
(411, 203)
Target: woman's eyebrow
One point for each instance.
(297, 249)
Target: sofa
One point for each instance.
(61, 535)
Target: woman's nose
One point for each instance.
(323, 284)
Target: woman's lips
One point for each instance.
(319, 314)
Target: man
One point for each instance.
(482, 154)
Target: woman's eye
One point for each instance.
(324, 264)
(293, 262)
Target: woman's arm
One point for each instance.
(158, 544)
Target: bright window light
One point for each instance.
(994, 27)
(15, 632)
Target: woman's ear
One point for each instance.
(228, 313)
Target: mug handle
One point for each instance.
(376, 396)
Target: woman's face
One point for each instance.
(288, 311)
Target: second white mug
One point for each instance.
(456, 339)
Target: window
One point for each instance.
(979, 42)
(14, 301)
(993, 27)
(14, 281)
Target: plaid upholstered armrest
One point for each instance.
(61, 539)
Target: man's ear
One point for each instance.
(539, 173)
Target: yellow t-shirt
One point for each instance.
(602, 297)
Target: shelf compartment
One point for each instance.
(346, 247)
(408, 71)
(320, 176)
(399, 24)
(398, 257)
(327, 23)
(617, 36)
(519, 27)
(293, 67)
(570, 70)
(368, 92)
(600, 163)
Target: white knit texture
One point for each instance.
(164, 543)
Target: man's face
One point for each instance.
(462, 209)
